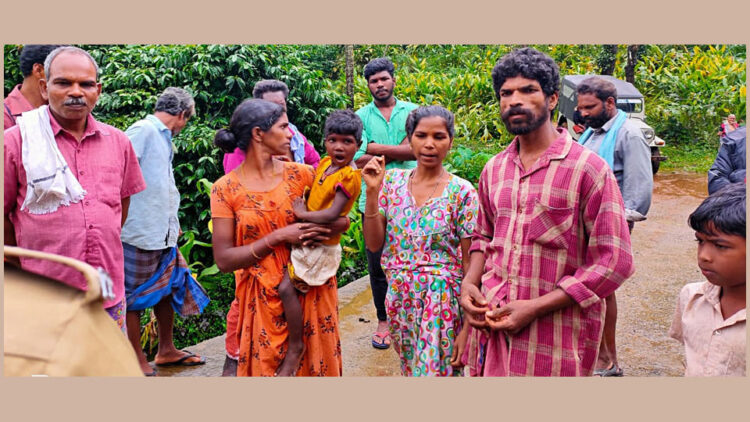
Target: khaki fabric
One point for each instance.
(56, 330)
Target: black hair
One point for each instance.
(530, 64)
(378, 65)
(32, 54)
(722, 211)
(344, 122)
(270, 85)
(419, 113)
(600, 88)
(248, 115)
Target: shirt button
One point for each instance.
(717, 332)
(91, 226)
(81, 172)
(87, 202)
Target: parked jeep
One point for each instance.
(629, 100)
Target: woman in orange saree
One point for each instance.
(253, 227)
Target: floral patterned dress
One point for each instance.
(423, 263)
(262, 329)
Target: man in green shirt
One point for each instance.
(384, 133)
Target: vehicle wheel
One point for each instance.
(655, 153)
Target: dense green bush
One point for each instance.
(690, 90)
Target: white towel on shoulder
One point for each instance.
(49, 181)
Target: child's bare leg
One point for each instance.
(293, 314)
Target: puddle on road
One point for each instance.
(681, 184)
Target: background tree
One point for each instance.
(606, 59)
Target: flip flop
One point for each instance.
(151, 374)
(382, 345)
(612, 371)
(183, 360)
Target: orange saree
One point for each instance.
(262, 329)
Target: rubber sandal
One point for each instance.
(382, 345)
(183, 360)
(151, 374)
(612, 371)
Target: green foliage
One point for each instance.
(689, 90)
(468, 164)
(353, 256)
(697, 157)
(12, 72)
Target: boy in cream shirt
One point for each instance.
(710, 316)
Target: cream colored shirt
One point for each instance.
(713, 346)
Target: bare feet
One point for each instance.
(290, 364)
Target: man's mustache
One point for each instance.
(75, 101)
(513, 111)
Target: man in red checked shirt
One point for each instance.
(551, 240)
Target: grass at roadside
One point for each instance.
(695, 158)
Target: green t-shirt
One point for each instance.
(376, 129)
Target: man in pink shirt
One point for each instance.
(27, 95)
(102, 160)
(551, 240)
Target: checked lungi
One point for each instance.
(151, 276)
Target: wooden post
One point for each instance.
(350, 75)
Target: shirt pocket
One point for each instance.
(550, 226)
(108, 185)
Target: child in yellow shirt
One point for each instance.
(335, 190)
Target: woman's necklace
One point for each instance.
(437, 183)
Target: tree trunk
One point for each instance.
(634, 54)
(606, 59)
(350, 75)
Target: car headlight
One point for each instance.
(648, 133)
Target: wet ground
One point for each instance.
(665, 259)
(664, 249)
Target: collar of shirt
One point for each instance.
(556, 151)
(160, 126)
(92, 127)
(398, 106)
(16, 102)
(711, 293)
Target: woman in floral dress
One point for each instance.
(423, 218)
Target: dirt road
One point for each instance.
(665, 249)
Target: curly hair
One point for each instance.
(530, 64)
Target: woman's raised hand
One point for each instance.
(373, 172)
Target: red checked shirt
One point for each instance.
(13, 105)
(106, 167)
(560, 223)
